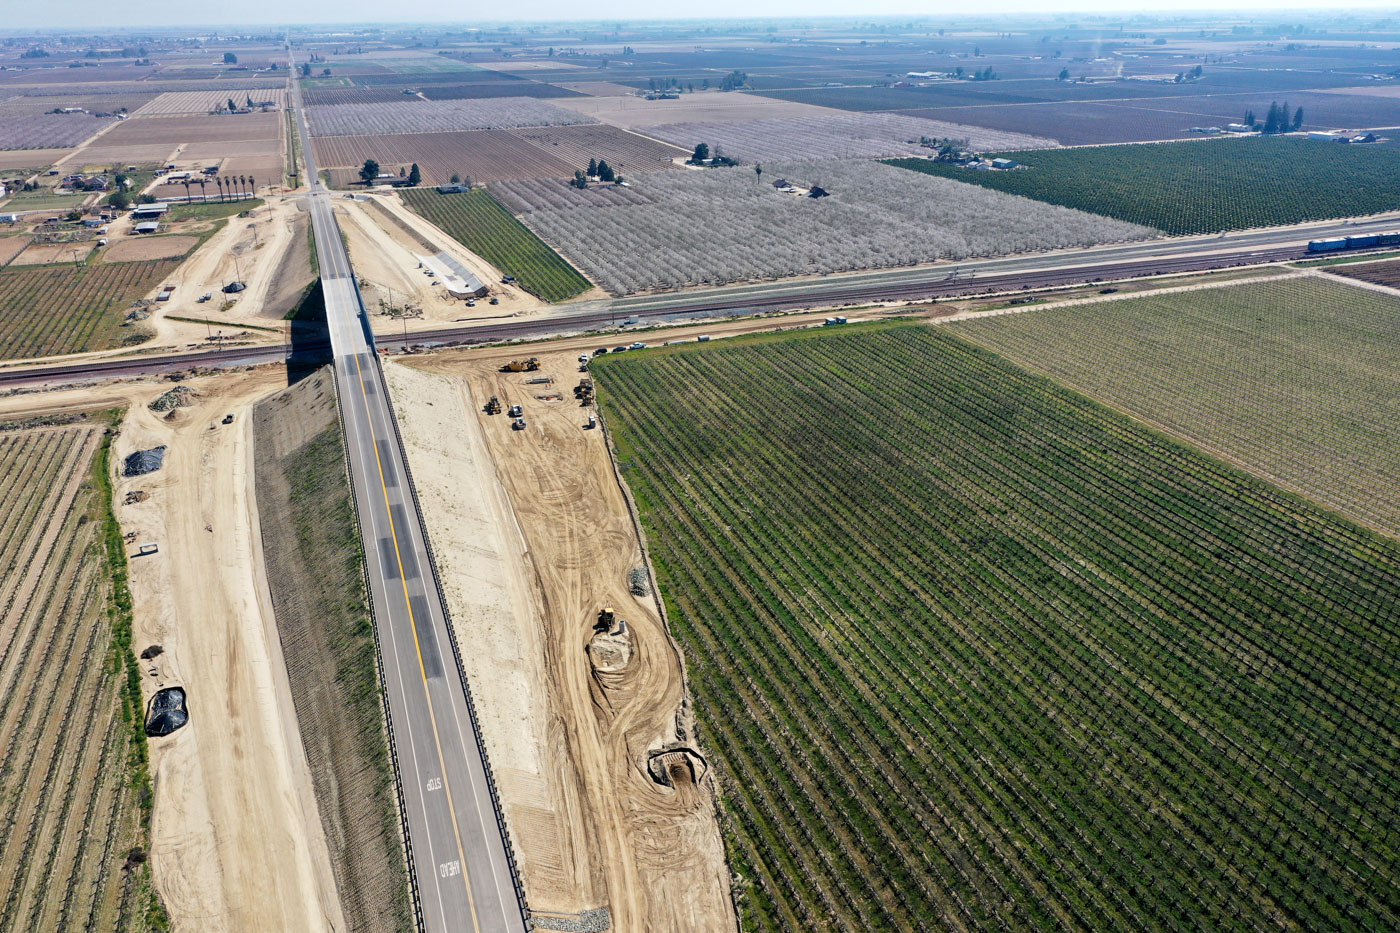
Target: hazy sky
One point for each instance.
(77, 14)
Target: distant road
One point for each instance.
(457, 845)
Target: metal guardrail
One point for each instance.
(414, 896)
(451, 630)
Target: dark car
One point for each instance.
(600, 351)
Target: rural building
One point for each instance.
(1004, 163)
(452, 189)
(460, 281)
(1326, 137)
(147, 211)
(9, 218)
(1239, 128)
(149, 226)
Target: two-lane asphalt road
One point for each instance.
(457, 848)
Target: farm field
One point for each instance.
(835, 135)
(1292, 379)
(495, 89)
(625, 152)
(185, 129)
(485, 155)
(327, 96)
(1074, 123)
(1201, 187)
(176, 102)
(34, 160)
(423, 80)
(968, 650)
(74, 791)
(437, 116)
(1377, 273)
(48, 130)
(634, 112)
(63, 309)
(475, 220)
(661, 232)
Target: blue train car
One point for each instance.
(1363, 241)
(1326, 246)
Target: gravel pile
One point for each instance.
(178, 397)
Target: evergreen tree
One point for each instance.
(414, 176)
(592, 167)
(1249, 118)
(1064, 74)
(702, 153)
(369, 171)
(580, 180)
(605, 172)
(1298, 119)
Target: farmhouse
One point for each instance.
(1004, 163)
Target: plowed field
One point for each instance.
(485, 155)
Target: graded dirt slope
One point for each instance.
(656, 847)
(312, 553)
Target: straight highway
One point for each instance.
(458, 853)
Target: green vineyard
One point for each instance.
(969, 651)
(53, 310)
(475, 220)
(1294, 379)
(1201, 187)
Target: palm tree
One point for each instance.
(202, 196)
(187, 190)
(228, 185)
(243, 183)
(220, 182)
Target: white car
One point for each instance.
(637, 346)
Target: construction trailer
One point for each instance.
(522, 366)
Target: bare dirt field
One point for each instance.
(702, 107)
(149, 247)
(484, 155)
(236, 840)
(10, 247)
(620, 698)
(538, 65)
(11, 159)
(43, 254)
(103, 153)
(626, 152)
(198, 128)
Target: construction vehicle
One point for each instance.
(584, 391)
(147, 549)
(228, 419)
(522, 366)
(592, 423)
(516, 411)
(518, 424)
(606, 618)
(493, 407)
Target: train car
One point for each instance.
(1388, 239)
(1327, 246)
(1363, 241)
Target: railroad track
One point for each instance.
(820, 295)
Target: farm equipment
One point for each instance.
(522, 366)
(493, 407)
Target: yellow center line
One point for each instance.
(432, 717)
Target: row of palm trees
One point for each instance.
(236, 187)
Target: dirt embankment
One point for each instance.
(293, 275)
(315, 572)
(654, 848)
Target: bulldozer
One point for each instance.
(522, 366)
(493, 407)
(584, 391)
